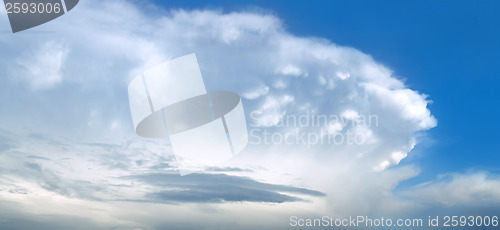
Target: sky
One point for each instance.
(70, 156)
(424, 43)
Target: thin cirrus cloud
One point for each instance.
(217, 188)
(89, 158)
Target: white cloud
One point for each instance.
(43, 68)
(334, 127)
(467, 189)
(256, 92)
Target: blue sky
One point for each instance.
(448, 50)
(426, 69)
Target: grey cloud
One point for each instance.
(228, 169)
(458, 190)
(216, 188)
(4, 142)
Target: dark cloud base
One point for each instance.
(217, 188)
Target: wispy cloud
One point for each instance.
(216, 188)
